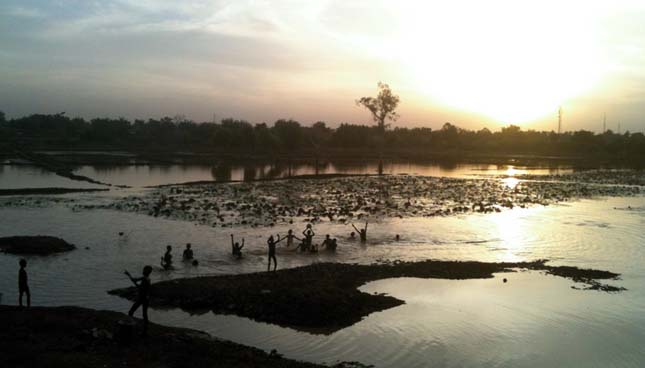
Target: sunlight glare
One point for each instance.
(511, 61)
(510, 233)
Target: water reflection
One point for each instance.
(249, 173)
(23, 176)
(221, 173)
(158, 175)
(26, 176)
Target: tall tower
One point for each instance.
(559, 120)
(604, 123)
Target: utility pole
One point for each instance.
(559, 120)
(604, 123)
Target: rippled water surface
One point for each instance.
(532, 321)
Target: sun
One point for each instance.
(509, 61)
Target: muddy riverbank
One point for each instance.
(74, 337)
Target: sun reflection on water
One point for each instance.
(511, 182)
(510, 233)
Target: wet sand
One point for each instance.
(73, 337)
(323, 297)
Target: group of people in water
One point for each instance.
(188, 256)
(143, 283)
(306, 245)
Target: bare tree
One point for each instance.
(383, 108)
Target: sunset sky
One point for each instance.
(473, 63)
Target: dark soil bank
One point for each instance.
(323, 297)
(38, 245)
(72, 337)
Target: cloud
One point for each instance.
(309, 60)
(22, 12)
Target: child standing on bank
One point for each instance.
(23, 285)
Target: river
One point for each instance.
(532, 321)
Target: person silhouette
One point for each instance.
(236, 248)
(166, 260)
(309, 236)
(143, 298)
(23, 286)
(272, 243)
(362, 232)
(302, 246)
(326, 243)
(290, 236)
(188, 253)
(333, 245)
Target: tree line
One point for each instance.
(40, 131)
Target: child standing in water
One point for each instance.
(362, 232)
(188, 253)
(290, 238)
(166, 260)
(326, 243)
(236, 248)
(23, 286)
(272, 243)
(309, 236)
(143, 286)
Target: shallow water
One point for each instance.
(149, 175)
(533, 321)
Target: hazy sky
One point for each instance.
(473, 63)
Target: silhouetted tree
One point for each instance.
(382, 107)
(288, 132)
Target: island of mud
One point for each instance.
(323, 297)
(34, 245)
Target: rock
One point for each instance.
(38, 245)
(98, 333)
